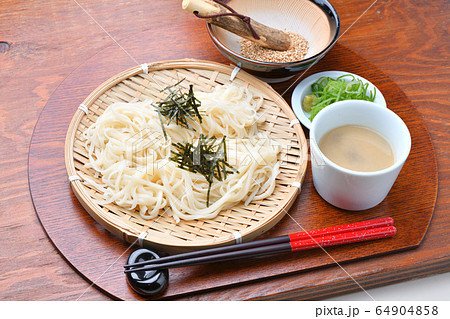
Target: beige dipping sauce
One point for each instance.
(357, 148)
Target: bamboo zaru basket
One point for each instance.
(240, 223)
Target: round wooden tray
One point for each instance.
(163, 232)
(99, 256)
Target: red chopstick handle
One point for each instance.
(344, 238)
(334, 230)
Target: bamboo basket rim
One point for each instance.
(131, 234)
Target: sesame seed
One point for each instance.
(297, 51)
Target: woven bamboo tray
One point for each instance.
(139, 84)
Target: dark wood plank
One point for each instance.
(407, 40)
(51, 191)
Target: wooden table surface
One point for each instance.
(42, 42)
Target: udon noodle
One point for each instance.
(130, 155)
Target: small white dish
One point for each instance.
(304, 88)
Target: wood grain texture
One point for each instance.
(95, 251)
(408, 40)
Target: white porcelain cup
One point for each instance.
(348, 189)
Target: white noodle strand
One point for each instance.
(129, 154)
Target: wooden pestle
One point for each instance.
(268, 37)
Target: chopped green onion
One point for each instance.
(328, 90)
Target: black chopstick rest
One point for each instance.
(147, 283)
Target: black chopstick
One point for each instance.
(334, 230)
(303, 244)
(216, 250)
(252, 252)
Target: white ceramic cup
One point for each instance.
(348, 189)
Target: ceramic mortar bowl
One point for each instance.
(317, 21)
